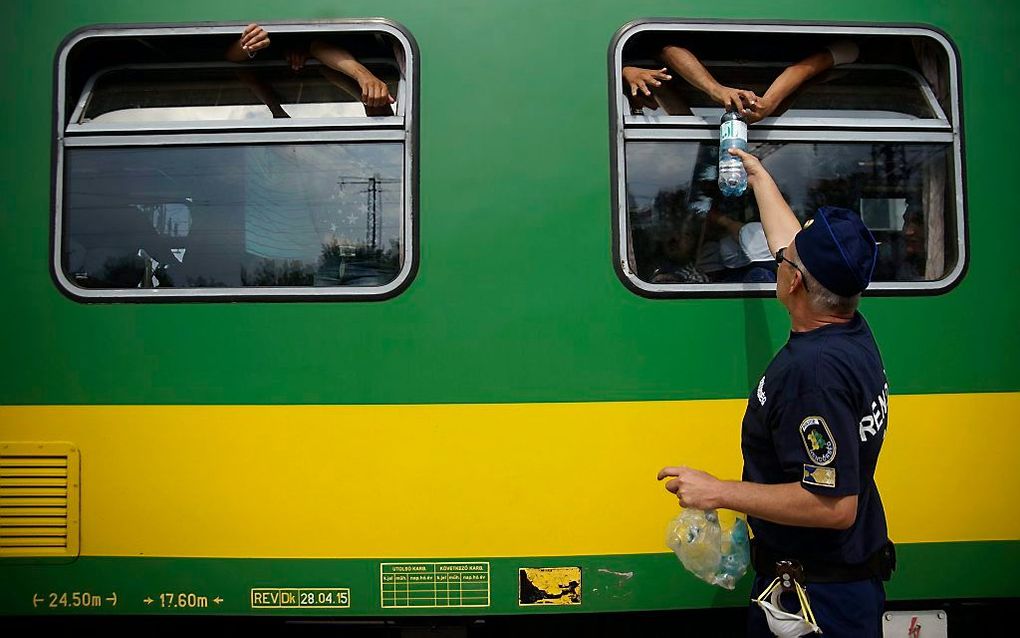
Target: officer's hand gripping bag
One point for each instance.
(716, 552)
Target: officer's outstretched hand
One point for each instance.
(755, 171)
(694, 488)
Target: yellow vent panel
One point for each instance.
(39, 495)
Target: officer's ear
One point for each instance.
(791, 283)
(797, 281)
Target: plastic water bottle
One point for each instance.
(715, 552)
(732, 134)
(736, 557)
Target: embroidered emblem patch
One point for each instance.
(824, 476)
(761, 391)
(818, 441)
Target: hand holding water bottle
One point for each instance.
(752, 165)
(732, 134)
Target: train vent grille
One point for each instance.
(39, 496)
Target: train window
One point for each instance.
(182, 176)
(875, 128)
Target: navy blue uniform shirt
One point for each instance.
(818, 417)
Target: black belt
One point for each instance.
(879, 565)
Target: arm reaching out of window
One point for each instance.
(374, 92)
(253, 39)
(777, 219)
(690, 67)
(639, 79)
(795, 75)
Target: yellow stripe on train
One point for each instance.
(477, 480)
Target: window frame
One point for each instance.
(402, 127)
(625, 128)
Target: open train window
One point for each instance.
(876, 128)
(181, 175)
(204, 95)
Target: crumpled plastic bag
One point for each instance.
(717, 552)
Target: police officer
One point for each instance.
(813, 427)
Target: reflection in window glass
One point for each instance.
(682, 231)
(233, 216)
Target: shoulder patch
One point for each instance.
(818, 441)
(824, 476)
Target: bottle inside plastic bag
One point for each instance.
(716, 551)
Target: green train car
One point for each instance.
(270, 352)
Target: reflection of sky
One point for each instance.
(295, 203)
(795, 167)
(655, 166)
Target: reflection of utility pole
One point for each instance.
(373, 188)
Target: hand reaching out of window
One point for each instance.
(253, 39)
(374, 92)
(639, 79)
(738, 100)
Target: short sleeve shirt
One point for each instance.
(819, 417)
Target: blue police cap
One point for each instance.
(838, 250)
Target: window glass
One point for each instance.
(684, 231)
(233, 216)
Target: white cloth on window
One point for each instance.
(753, 242)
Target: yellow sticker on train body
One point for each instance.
(549, 586)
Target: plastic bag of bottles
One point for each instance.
(717, 552)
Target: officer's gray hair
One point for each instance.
(824, 300)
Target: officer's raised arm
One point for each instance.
(812, 430)
(777, 219)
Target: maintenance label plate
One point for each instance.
(434, 584)
(300, 598)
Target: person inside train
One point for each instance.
(743, 251)
(115, 245)
(903, 258)
(640, 84)
(339, 67)
(676, 253)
